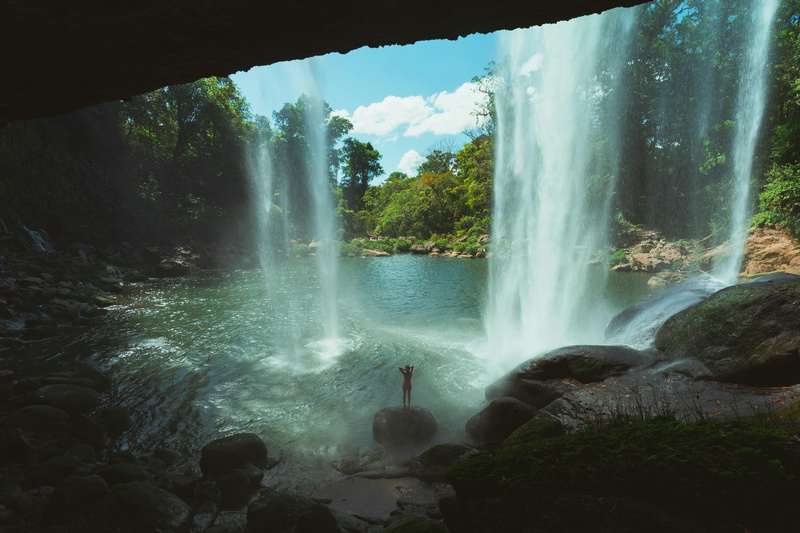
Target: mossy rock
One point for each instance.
(747, 334)
(444, 454)
(535, 429)
(499, 419)
(282, 512)
(417, 524)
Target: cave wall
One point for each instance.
(61, 56)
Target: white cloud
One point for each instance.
(382, 118)
(532, 65)
(409, 162)
(444, 113)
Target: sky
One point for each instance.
(405, 100)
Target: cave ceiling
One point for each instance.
(61, 56)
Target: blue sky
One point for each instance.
(402, 99)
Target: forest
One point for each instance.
(171, 166)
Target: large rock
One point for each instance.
(288, 512)
(403, 426)
(225, 454)
(748, 334)
(73, 399)
(638, 324)
(585, 363)
(771, 249)
(499, 419)
(142, 507)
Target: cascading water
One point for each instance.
(301, 204)
(546, 229)
(750, 104)
(566, 106)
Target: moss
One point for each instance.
(712, 476)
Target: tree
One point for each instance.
(361, 166)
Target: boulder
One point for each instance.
(115, 418)
(536, 393)
(585, 363)
(289, 512)
(39, 419)
(225, 454)
(747, 334)
(375, 253)
(771, 249)
(75, 493)
(403, 426)
(142, 507)
(73, 399)
(123, 472)
(499, 419)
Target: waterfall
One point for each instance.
(591, 117)
(750, 104)
(293, 200)
(546, 227)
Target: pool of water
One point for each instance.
(216, 353)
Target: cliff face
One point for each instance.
(63, 57)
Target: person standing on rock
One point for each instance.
(406, 382)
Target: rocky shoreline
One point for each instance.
(58, 472)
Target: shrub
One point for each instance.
(402, 245)
(779, 201)
(676, 265)
(350, 249)
(443, 244)
(617, 258)
(301, 250)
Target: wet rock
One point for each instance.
(536, 393)
(115, 418)
(84, 453)
(123, 472)
(74, 494)
(89, 431)
(235, 488)
(585, 363)
(747, 334)
(144, 507)
(204, 516)
(39, 419)
(51, 471)
(225, 454)
(499, 419)
(181, 485)
(289, 512)
(169, 456)
(538, 427)
(400, 426)
(437, 459)
(73, 399)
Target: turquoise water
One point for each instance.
(211, 354)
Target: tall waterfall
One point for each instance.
(293, 200)
(750, 104)
(545, 228)
(565, 98)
